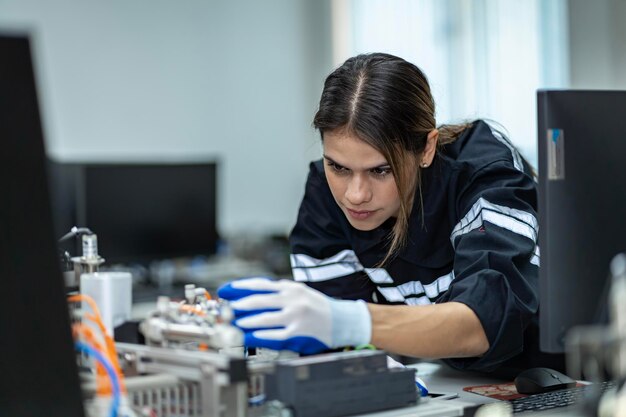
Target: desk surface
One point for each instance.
(443, 379)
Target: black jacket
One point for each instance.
(475, 242)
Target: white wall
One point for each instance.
(236, 80)
(169, 80)
(597, 44)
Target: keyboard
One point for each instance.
(554, 399)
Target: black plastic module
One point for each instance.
(341, 384)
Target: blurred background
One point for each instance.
(237, 81)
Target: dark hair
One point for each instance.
(386, 102)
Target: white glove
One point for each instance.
(289, 315)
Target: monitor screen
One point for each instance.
(582, 205)
(143, 212)
(38, 369)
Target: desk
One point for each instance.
(441, 378)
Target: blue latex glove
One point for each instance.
(289, 315)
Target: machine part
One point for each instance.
(90, 260)
(75, 231)
(156, 395)
(90, 246)
(340, 384)
(186, 383)
(112, 291)
(598, 352)
(197, 323)
(100, 407)
(618, 313)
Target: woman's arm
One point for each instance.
(446, 330)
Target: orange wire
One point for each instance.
(102, 385)
(109, 342)
(98, 322)
(110, 348)
(84, 297)
(96, 318)
(88, 334)
(192, 309)
(208, 295)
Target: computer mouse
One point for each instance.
(538, 380)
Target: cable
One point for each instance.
(84, 348)
(109, 342)
(102, 387)
(192, 309)
(75, 231)
(421, 387)
(76, 298)
(82, 329)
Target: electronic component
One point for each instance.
(340, 384)
(173, 382)
(198, 323)
(87, 263)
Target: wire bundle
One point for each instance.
(109, 378)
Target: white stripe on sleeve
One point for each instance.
(308, 269)
(517, 159)
(379, 275)
(535, 258)
(517, 221)
(416, 293)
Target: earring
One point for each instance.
(424, 165)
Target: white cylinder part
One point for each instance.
(90, 246)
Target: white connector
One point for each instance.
(100, 406)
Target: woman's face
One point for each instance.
(360, 179)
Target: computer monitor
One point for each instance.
(38, 372)
(582, 205)
(141, 212)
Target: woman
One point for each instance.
(417, 239)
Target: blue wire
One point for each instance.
(256, 400)
(422, 389)
(82, 347)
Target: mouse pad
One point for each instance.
(505, 391)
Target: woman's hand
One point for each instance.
(289, 315)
